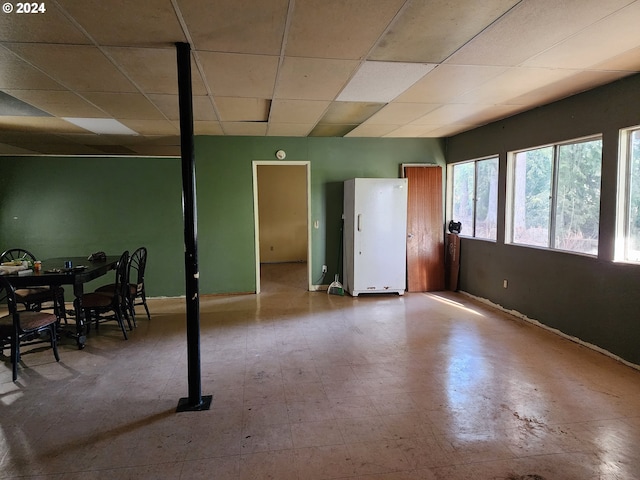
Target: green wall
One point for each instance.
(62, 206)
(225, 195)
(593, 299)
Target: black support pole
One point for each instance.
(195, 401)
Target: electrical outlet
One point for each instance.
(505, 283)
(324, 269)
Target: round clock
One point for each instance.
(281, 154)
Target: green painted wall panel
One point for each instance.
(60, 206)
(75, 206)
(225, 195)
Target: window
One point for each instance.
(555, 196)
(629, 220)
(475, 197)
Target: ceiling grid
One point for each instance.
(296, 67)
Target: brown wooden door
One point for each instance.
(425, 229)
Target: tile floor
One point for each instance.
(311, 386)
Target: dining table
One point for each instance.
(74, 271)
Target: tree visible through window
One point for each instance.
(475, 197)
(556, 196)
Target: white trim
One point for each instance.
(256, 222)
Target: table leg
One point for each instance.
(81, 335)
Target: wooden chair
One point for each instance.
(138, 265)
(33, 297)
(98, 304)
(23, 326)
(136, 294)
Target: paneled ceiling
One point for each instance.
(354, 68)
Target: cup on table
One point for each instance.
(37, 265)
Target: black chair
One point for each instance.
(138, 265)
(97, 305)
(137, 293)
(33, 297)
(23, 326)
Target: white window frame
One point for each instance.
(474, 198)
(510, 190)
(624, 182)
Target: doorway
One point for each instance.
(425, 228)
(282, 226)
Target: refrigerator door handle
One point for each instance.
(359, 223)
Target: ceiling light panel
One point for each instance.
(102, 126)
(383, 81)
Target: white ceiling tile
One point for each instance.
(593, 45)
(36, 124)
(409, 131)
(236, 75)
(234, 109)
(468, 114)
(50, 26)
(430, 31)
(207, 128)
(154, 70)
(565, 87)
(122, 22)
(115, 58)
(349, 113)
(628, 61)
(447, 82)
(151, 127)
(382, 81)
(60, 103)
(325, 28)
(400, 113)
(530, 28)
(372, 130)
(238, 26)
(168, 105)
(513, 83)
(78, 67)
(18, 74)
(125, 105)
(312, 78)
(297, 111)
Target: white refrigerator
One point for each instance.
(375, 235)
